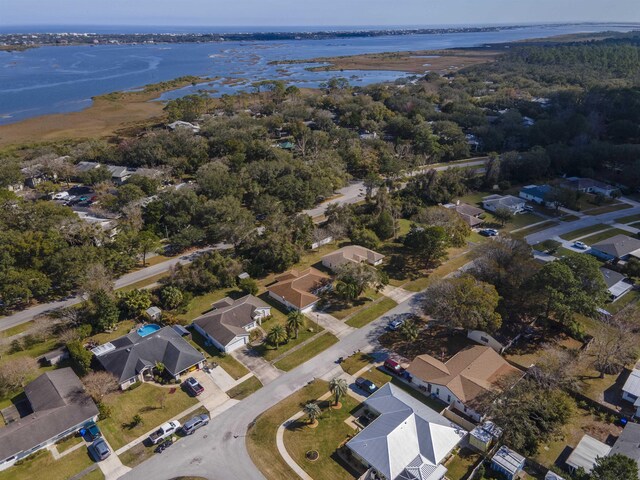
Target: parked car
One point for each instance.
(488, 232)
(527, 208)
(90, 432)
(366, 385)
(195, 423)
(395, 324)
(99, 450)
(580, 245)
(393, 366)
(192, 386)
(164, 431)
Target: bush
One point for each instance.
(16, 346)
(249, 286)
(83, 331)
(80, 356)
(135, 385)
(104, 411)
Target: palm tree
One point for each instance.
(277, 335)
(347, 290)
(338, 387)
(410, 330)
(295, 321)
(313, 411)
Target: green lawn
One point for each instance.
(537, 228)
(581, 232)
(123, 328)
(154, 404)
(330, 433)
(375, 310)
(523, 220)
(246, 388)
(355, 363)
(230, 365)
(461, 464)
(607, 209)
(202, 303)
(442, 271)
(269, 352)
(306, 352)
(261, 438)
(42, 465)
(598, 237)
(68, 442)
(404, 226)
(10, 332)
(144, 283)
(629, 219)
(635, 225)
(628, 298)
(343, 310)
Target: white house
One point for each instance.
(617, 283)
(229, 324)
(179, 124)
(508, 202)
(462, 379)
(631, 389)
(498, 341)
(353, 254)
(587, 185)
(585, 454)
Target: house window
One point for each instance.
(484, 339)
(437, 391)
(448, 398)
(465, 409)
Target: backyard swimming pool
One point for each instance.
(148, 329)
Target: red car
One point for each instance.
(192, 386)
(393, 366)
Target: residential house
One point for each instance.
(631, 389)
(540, 194)
(507, 462)
(119, 174)
(617, 283)
(406, 440)
(470, 214)
(228, 325)
(619, 247)
(132, 358)
(585, 454)
(58, 407)
(353, 254)
(628, 443)
(463, 379)
(587, 185)
(83, 167)
(299, 289)
(508, 202)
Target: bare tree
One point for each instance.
(613, 348)
(557, 368)
(97, 278)
(99, 384)
(15, 373)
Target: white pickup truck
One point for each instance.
(164, 431)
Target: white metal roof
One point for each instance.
(586, 452)
(632, 385)
(509, 460)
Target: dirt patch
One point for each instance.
(437, 341)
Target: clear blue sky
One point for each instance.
(307, 12)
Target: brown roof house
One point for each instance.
(468, 213)
(463, 379)
(59, 407)
(228, 325)
(351, 253)
(299, 289)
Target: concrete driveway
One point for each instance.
(111, 466)
(213, 396)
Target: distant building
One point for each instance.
(540, 194)
(587, 185)
(495, 202)
(470, 214)
(179, 124)
(119, 174)
(59, 407)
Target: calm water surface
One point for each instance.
(63, 79)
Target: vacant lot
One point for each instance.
(154, 404)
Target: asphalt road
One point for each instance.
(218, 451)
(133, 277)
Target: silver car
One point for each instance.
(195, 423)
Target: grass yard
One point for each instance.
(270, 352)
(202, 303)
(534, 229)
(230, 365)
(607, 209)
(341, 310)
(598, 237)
(43, 465)
(442, 271)
(462, 463)
(326, 438)
(374, 311)
(10, 332)
(154, 404)
(635, 225)
(306, 352)
(261, 438)
(581, 232)
(94, 475)
(68, 442)
(356, 362)
(245, 389)
(121, 329)
(569, 218)
(522, 220)
(144, 283)
(629, 219)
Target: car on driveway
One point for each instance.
(99, 450)
(192, 386)
(90, 432)
(580, 245)
(488, 232)
(165, 430)
(393, 366)
(367, 386)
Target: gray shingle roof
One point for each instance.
(628, 442)
(230, 317)
(133, 353)
(58, 402)
(618, 246)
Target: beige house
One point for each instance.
(463, 379)
(351, 253)
(299, 289)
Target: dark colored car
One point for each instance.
(90, 432)
(366, 385)
(488, 232)
(99, 450)
(192, 386)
